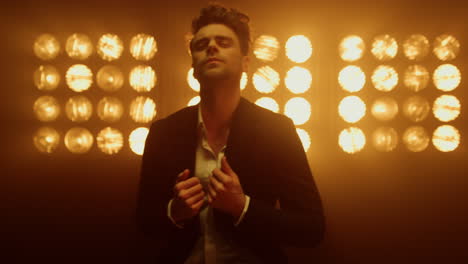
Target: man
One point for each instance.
(226, 181)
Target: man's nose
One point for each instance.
(212, 47)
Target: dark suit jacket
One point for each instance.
(265, 151)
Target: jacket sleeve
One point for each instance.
(155, 189)
(299, 221)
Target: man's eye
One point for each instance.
(201, 44)
(224, 42)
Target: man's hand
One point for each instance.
(225, 191)
(188, 197)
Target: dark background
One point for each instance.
(397, 207)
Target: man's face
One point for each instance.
(216, 54)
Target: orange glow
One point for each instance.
(416, 47)
(142, 78)
(46, 47)
(446, 138)
(352, 140)
(266, 48)
(79, 108)
(385, 139)
(265, 79)
(137, 140)
(143, 109)
(46, 139)
(384, 47)
(110, 78)
(46, 108)
(416, 108)
(384, 108)
(446, 47)
(143, 47)
(446, 108)
(79, 140)
(268, 103)
(298, 80)
(298, 109)
(109, 140)
(416, 78)
(46, 78)
(110, 47)
(415, 138)
(352, 78)
(110, 109)
(352, 109)
(447, 77)
(79, 46)
(79, 77)
(384, 78)
(298, 48)
(352, 48)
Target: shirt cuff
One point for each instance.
(246, 206)
(169, 215)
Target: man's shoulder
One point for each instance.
(177, 118)
(261, 114)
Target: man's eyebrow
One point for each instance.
(216, 37)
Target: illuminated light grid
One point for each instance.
(110, 109)
(194, 101)
(351, 48)
(352, 140)
(304, 137)
(137, 139)
(446, 108)
(142, 109)
(110, 140)
(298, 109)
(79, 78)
(446, 47)
(142, 78)
(46, 47)
(351, 78)
(192, 82)
(79, 46)
(352, 109)
(416, 78)
(110, 47)
(416, 47)
(143, 47)
(268, 103)
(266, 48)
(446, 77)
(416, 108)
(416, 138)
(46, 108)
(385, 139)
(46, 78)
(79, 108)
(298, 80)
(384, 47)
(110, 78)
(384, 78)
(384, 108)
(266, 79)
(46, 139)
(298, 48)
(446, 138)
(78, 140)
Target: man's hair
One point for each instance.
(215, 13)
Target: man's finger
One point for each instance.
(226, 167)
(183, 175)
(221, 176)
(216, 185)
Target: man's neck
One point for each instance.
(218, 105)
